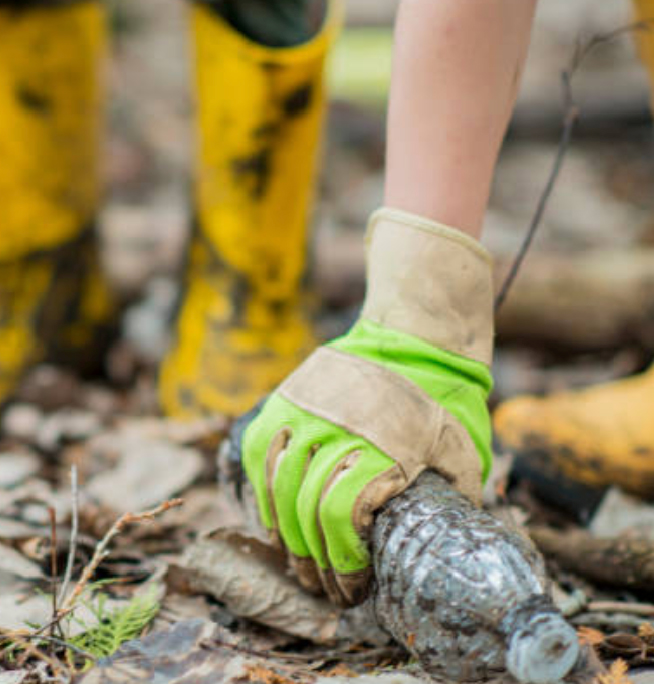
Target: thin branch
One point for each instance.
(642, 609)
(101, 550)
(72, 547)
(26, 636)
(32, 650)
(54, 570)
(571, 115)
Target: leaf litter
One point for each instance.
(163, 594)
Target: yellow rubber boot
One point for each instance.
(51, 97)
(600, 436)
(243, 323)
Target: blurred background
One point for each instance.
(580, 309)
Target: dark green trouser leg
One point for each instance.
(276, 23)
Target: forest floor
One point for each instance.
(101, 498)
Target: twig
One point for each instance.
(26, 636)
(101, 550)
(571, 115)
(613, 621)
(31, 650)
(72, 546)
(642, 609)
(54, 570)
(69, 604)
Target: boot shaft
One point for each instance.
(51, 118)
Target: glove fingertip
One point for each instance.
(355, 586)
(308, 574)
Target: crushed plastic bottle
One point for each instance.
(466, 595)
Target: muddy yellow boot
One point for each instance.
(51, 97)
(600, 436)
(243, 324)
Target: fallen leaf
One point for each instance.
(250, 578)
(14, 563)
(259, 673)
(620, 513)
(590, 636)
(617, 674)
(148, 471)
(340, 670)
(17, 467)
(646, 631)
(15, 677)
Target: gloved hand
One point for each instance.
(403, 391)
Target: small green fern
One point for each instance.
(116, 627)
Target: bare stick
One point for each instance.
(620, 561)
(72, 547)
(54, 571)
(31, 650)
(642, 609)
(21, 635)
(101, 550)
(570, 118)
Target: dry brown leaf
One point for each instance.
(340, 670)
(590, 636)
(258, 673)
(251, 580)
(617, 674)
(646, 631)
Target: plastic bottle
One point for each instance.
(463, 593)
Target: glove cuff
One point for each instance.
(430, 281)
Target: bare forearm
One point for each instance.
(457, 68)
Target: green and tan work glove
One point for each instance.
(405, 390)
